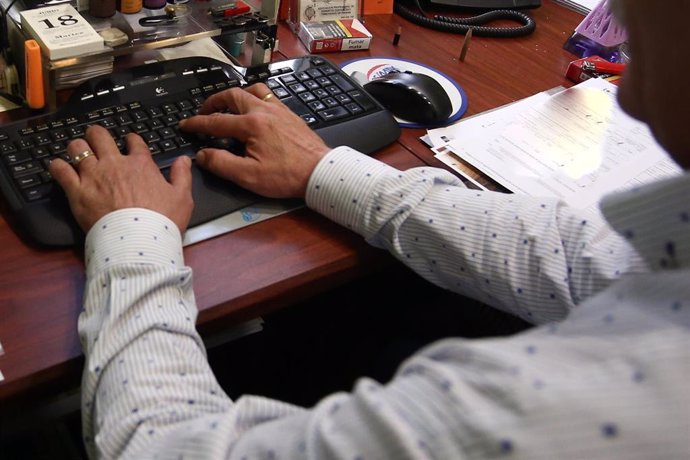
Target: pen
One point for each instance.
(606, 67)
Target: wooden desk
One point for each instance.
(279, 262)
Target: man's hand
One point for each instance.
(108, 181)
(281, 150)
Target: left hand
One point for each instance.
(108, 181)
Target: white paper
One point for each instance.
(249, 215)
(481, 126)
(576, 145)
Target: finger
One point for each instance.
(218, 125)
(137, 146)
(235, 100)
(262, 92)
(65, 175)
(181, 174)
(81, 154)
(222, 163)
(102, 142)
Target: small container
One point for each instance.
(154, 4)
(102, 8)
(129, 6)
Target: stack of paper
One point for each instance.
(576, 145)
(61, 31)
(70, 76)
(64, 33)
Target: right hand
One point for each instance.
(281, 150)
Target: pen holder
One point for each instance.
(598, 34)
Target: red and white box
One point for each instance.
(339, 35)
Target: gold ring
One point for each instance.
(267, 97)
(81, 157)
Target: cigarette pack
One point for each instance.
(339, 35)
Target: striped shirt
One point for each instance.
(602, 376)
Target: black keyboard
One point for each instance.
(150, 100)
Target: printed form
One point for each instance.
(576, 145)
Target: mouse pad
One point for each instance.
(370, 68)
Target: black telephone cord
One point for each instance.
(463, 25)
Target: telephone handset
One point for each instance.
(497, 9)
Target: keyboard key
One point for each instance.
(167, 145)
(298, 88)
(58, 135)
(281, 93)
(151, 136)
(123, 119)
(333, 90)
(40, 152)
(75, 131)
(309, 118)
(57, 148)
(330, 102)
(311, 84)
(139, 115)
(170, 120)
(25, 143)
(7, 147)
(29, 181)
(169, 108)
(334, 113)
(342, 83)
(36, 193)
(120, 131)
(107, 123)
(316, 106)
(26, 168)
(307, 97)
(17, 157)
(155, 124)
(343, 98)
(41, 139)
(362, 99)
(354, 108)
(320, 93)
(166, 133)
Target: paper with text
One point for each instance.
(576, 145)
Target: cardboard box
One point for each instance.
(340, 35)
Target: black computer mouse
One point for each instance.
(411, 96)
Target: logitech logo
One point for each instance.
(160, 91)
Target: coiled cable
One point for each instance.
(458, 25)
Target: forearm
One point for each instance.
(533, 257)
(146, 371)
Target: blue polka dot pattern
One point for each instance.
(614, 345)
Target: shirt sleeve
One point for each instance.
(556, 391)
(533, 257)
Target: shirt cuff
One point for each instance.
(341, 186)
(132, 236)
